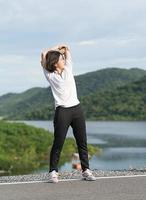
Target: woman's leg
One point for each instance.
(79, 131)
(61, 125)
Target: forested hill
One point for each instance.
(108, 78)
(124, 103)
(38, 103)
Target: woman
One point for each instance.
(57, 67)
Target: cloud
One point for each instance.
(87, 43)
(100, 33)
(17, 74)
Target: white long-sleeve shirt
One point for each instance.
(63, 86)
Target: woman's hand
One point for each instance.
(63, 46)
(64, 49)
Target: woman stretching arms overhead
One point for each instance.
(57, 67)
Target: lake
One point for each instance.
(123, 143)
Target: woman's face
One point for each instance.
(61, 62)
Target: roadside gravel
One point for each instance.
(76, 174)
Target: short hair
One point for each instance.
(52, 57)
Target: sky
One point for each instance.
(100, 33)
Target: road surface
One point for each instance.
(104, 188)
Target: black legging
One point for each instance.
(63, 118)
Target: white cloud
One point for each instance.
(87, 42)
(20, 73)
(100, 32)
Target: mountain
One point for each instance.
(124, 103)
(38, 103)
(19, 104)
(106, 79)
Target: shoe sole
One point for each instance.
(51, 181)
(86, 179)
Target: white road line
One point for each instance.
(13, 183)
(62, 180)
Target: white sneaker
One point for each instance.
(53, 177)
(88, 176)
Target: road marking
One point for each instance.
(79, 179)
(25, 182)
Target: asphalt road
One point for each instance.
(126, 188)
